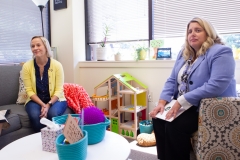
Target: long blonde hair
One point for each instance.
(46, 44)
(212, 38)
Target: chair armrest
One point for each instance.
(219, 128)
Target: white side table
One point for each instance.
(112, 147)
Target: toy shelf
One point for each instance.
(128, 129)
(126, 97)
(127, 91)
(132, 110)
(128, 125)
(103, 98)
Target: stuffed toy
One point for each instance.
(146, 140)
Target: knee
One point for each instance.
(51, 114)
(33, 110)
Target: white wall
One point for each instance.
(68, 35)
(151, 73)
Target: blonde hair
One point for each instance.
(212, 38)
(46, 44)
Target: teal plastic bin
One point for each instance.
(75, 151)
(96, 132)
(146, 126)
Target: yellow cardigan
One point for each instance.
(55, 75)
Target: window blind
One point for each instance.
(170, 17)
(127, 19)
(19, 22)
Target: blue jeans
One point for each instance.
(34, 110)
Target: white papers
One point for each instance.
(167, 108)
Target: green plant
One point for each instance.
(139, 50)
(118, 53)
(105, 34)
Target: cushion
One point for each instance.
(22, 95)
(146, 140)
(14, 122)
(9, 86)
(4, 124)
(20, 111)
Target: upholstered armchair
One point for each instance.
(218, 135)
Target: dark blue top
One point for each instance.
(42, 84)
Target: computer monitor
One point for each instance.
(164, 53)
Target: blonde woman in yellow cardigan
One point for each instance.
(43, 79)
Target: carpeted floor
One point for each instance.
(146, 153)
(139, 155)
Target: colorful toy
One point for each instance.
(99, 98)
(126, 96)
(93, 115)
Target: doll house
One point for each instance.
(126, 103)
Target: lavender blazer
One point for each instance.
(212, 75)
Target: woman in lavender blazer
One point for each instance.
(203, 69)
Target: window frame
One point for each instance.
(150, 25)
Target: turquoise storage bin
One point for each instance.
(96, 132)
(75, 151)
(62, 119)
(146, 126)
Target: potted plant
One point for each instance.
(102, 51)
(141, 52)
(117, 56)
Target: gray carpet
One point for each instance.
(137, 155)
(140, 155)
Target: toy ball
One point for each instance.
(93, 115)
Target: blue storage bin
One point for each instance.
(74, 151)
(146, 126)
(62, 119)
(96, 132)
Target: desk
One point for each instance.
(112, 147)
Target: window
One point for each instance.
(168, 19)
(127, 19)
(19, 22)
(232, 41)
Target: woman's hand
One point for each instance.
(44, 110)
(159, 108)
(173, 111)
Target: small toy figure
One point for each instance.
(65, 141)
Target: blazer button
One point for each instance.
(190, 82)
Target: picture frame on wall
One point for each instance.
(164, 53)
(59, 4)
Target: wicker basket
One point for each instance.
(73, 151)
(96, 132)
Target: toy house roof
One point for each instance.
(125, 78)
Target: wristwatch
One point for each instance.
(50, 103)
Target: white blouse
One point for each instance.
(181, 99)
